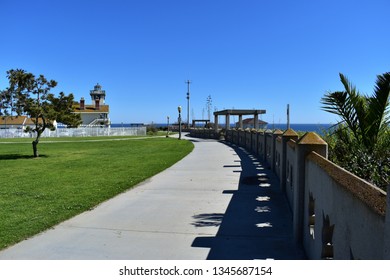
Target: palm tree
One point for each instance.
(366, 116)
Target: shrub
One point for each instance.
(373, 166)
(151, 130)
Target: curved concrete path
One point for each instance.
(217, 203)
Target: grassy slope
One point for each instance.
(69, 178)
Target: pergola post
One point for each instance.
(256, 121)
(216, 122)
(227, 121)
(241, 125)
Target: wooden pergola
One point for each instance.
(199, 121)
(239, 113)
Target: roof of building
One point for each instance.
(16, 120)
(91, 108)
(239, 112)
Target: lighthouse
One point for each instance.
(97, 94)
(96, 113)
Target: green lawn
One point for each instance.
(72, 177)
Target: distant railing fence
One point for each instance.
(76, 132)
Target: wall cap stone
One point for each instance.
(278, 131)
(290, 132)
(311, 138)
(372, 196)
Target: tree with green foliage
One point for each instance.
(31, 95)
(5, 101)
(360, 142)
(366, 116)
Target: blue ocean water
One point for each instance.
(317, 128)
(127, 124)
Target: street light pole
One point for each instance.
(188, 103)
(179, 109)
(168, 126)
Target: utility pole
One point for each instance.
(188, 82)
(179, 120)
(209, 104)
(288, 116)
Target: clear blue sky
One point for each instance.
(245, 53)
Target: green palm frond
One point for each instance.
(378, 113)
(357, 105)
(342, 103)
(366, 116)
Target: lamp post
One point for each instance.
(179, 109)
(188, 82)
(168, 126)
(188, 109)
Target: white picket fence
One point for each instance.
(76, 132)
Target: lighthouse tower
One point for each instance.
(97, 94)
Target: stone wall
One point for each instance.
(336, 215)
(344, 216)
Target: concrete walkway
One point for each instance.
(217, 203)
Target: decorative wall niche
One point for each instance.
(327, 238)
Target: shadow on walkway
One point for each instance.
(257, 223)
